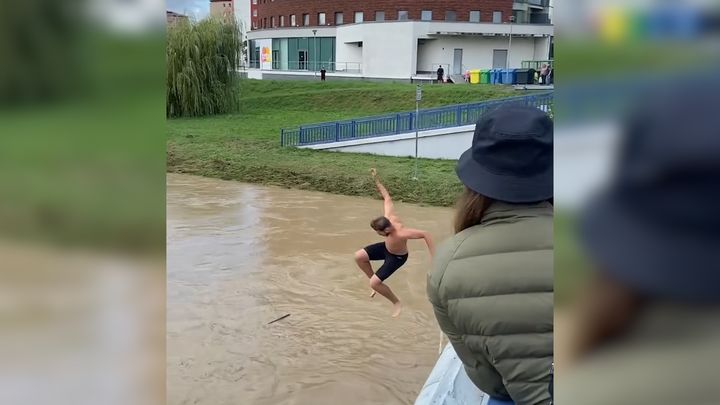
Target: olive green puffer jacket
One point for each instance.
(492, 292)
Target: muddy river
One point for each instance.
(240, 256)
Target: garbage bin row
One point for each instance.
(502, 76)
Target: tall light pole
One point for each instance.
(314, 53)
(418, 99)
(507, 62)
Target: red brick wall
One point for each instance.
(269, 8)
(254, 21)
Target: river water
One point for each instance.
(240, 256)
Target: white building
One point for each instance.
(398, 50)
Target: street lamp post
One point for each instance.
(418, 99)
(507, 62)
(314, 53)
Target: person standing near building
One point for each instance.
(544, 73)
(440, 74)
(322, 73)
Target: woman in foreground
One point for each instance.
(492, 282)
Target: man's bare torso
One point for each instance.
(396, 243)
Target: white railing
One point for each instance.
(313, 66)
(431, 69)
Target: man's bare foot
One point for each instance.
(396, 309)
(372, 293)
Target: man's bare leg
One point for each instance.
(377, 285)
(363, 261)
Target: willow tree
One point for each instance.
(202, 62)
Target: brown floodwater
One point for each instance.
(240, 256)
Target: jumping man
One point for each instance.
(393, 250)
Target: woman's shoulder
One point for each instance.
(447, 250)
(444, 256)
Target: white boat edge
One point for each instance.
(448, 384)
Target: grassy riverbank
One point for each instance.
(246, 147)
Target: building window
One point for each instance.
(293, 23)
(497, 17)
(306, 19)
(254, 1)
(321, 18)
(265, 22)
(255, 13)
(475, 16)
(338, 18)
(379, 16)
(282, 20)
(402, 15)
(450, 16)
(272, 22)
(358, 16)
(426, 15)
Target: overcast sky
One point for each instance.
(197, 9)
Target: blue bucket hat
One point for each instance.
(511, 157)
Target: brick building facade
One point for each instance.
(224, 9)
(280, 12)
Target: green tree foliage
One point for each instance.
(202, 62)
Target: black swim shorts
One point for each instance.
(378, 251)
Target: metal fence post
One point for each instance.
(459, 115)
(282, 137)
(337, 131)
(352, 129)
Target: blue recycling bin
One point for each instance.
(509, 76)
(496, 76)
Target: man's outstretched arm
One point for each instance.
(388, 204)
(418, 234)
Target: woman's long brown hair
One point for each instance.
(471, 208)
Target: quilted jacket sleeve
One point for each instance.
(477, 366)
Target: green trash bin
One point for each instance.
(485, 76)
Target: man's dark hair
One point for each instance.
(380, 223)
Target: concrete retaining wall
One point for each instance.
(447, 143)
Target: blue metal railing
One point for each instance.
(434, 118)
